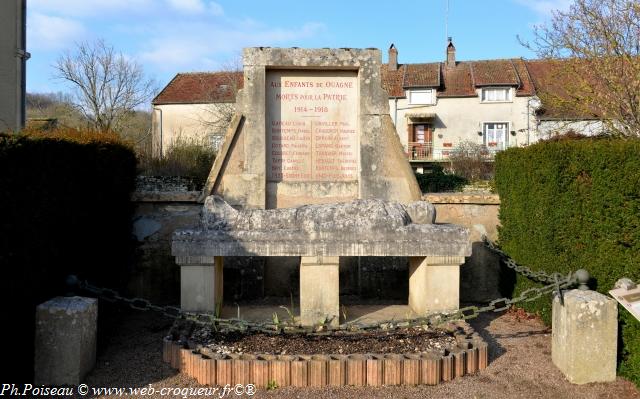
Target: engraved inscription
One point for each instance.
(312, 126)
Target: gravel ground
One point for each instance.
(519, 366)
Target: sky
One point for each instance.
(171, 36)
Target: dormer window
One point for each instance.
(496, 94)
(421, 97)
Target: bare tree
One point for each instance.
(593, 50)
(220, 90)
(108, 86)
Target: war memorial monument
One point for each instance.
(311, 168)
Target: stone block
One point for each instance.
(319, 290)
(434, 283)
(201, 286)
(65, 343)
(585, 336)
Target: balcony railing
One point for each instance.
(429, 152)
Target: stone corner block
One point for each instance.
(585, 336)
(65, 341)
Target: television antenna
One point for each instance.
(446, 20)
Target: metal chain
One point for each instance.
(540, 276)
(557, 282)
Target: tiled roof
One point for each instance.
(529, 78)
(548, 78)
(526, 84)
(201, 87)
(460, 80)
(392, 80)
(422, 75)
(457, 81)
(494, 73)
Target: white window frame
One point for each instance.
(430, 92)
(486, 89)
(485, 136)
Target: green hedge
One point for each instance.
(437, 180)
(574, 204)
(64, 208)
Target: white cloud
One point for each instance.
(187, 6)
(546, 7)
(88, 7)
(48, 33)
(195, 46)
(196, 7)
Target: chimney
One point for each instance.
(451, 53)
(393, 58)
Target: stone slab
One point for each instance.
(585, 336)
(319, 290)
(358, 228)
(65, 342)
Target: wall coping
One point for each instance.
(463, 198)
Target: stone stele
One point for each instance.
(312, 127)
(65, 343)
(585, 336)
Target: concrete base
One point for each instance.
(434, 283)
(319, 290)
(585, 336)
(201, 286)
(65, 344)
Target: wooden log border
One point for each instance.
(469, 357)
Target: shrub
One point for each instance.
(438, 180)
(471, 161)
(187, 158)
(571, 204)
(64, 209)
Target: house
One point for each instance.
(194, 107)
(13, 58)
(558, 115)
(435, 106)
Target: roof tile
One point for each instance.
(422, 75)
(201, 87)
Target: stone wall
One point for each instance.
(480, 277)
(155, 274)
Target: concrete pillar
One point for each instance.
(65, 344)
(319, 290)
(434, 283)
(585, 336)
(201, 286)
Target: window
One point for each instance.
(421, 96)
(216, 141)
(495, 135)
(500, 94)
